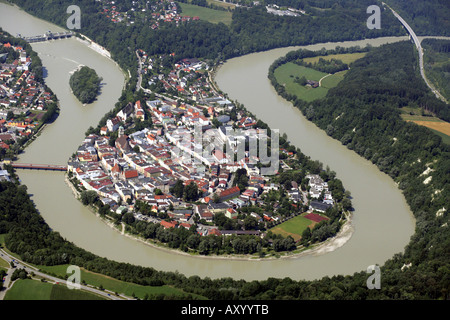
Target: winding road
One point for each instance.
(18, 264)
(419, 49)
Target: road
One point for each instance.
(18, 264)
(139, 81)
(419, 49)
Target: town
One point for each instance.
(146, 161)
(24, 98)
(154, 14)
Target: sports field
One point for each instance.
(293, 227)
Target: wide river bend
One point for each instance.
(381, 225)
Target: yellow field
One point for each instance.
(443, 127)
(345, 57)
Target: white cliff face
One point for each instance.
(427, 180)
(440, 212)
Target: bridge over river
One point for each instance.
(48, 36)
(31, 166)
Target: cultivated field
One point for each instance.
(438, 126)
(345, 57)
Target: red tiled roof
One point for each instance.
(131, 174)
(229, 191)
(167, 224)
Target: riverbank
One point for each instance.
(105, 53)
(326, 246)
(68, 216)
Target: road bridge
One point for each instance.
(31, 166)
(48, 36)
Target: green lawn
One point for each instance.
(293, 227)
(4, 264)
(36, 290)
(118, 286)
(333, 80)
(222, 4)
(211, 15)
(286, 74)
(445, 138)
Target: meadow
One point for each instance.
(287, 73)
(114, 285)
(344, 57)
(207, 14)
(29, 289)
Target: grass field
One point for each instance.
(221, 4)
(286, 74)
(36, 290)
(213, 16)
(115, 285)
(333, 80)
(345, 57)
(4, 264)
(293, 227)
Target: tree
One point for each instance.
(191, 192)
(9, 115)
(178, 189)
(128, 218)
(89, 197)
(306, 236)
(216, 198)
(250, 223)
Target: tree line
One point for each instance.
(368, 100)
(253, 29)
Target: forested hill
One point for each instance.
(430, 17)
(362, 112)
(252, 29)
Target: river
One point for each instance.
(382, 223)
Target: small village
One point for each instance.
(163, 11)
(147, 151)
(23, 99)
